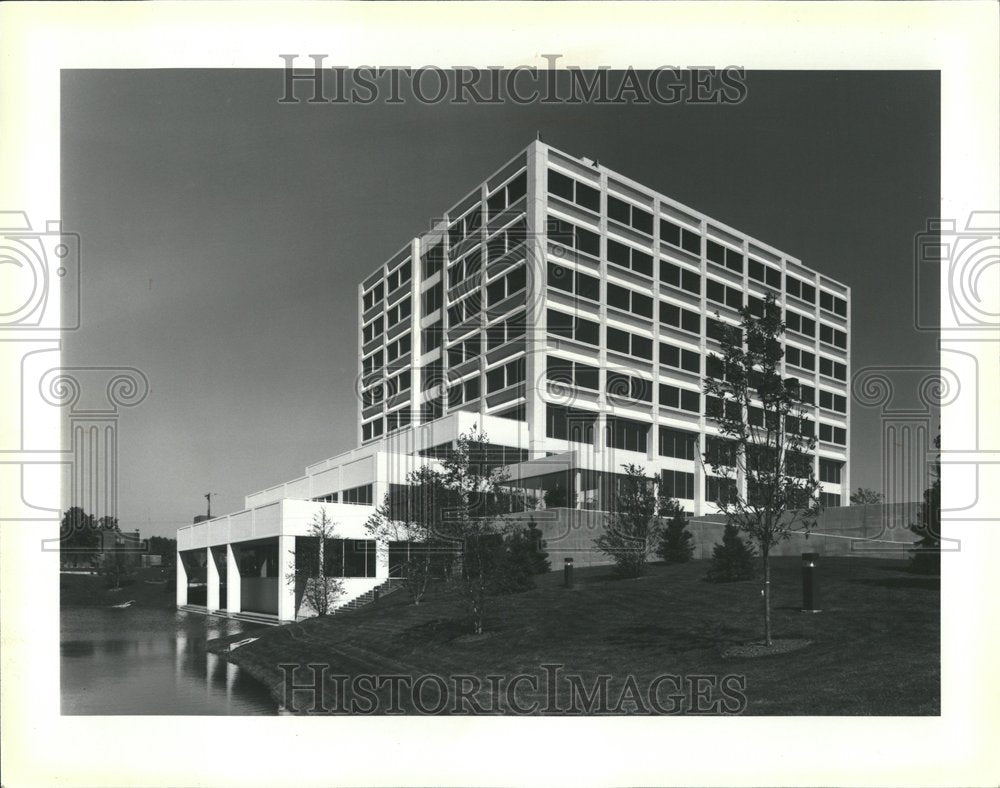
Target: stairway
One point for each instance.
(388, 587)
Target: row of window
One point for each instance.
(831, 434)
(574, 373)
(630, 258)
(724, 256)
(831, 401)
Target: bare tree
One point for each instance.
(766, 439)
(315, 568)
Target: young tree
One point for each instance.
(734, 559)
(315, 569)
(632, 530)
(865, 496)
(926, 555)
(523, 557)
(767, 439)
(414, 516)
(473, 522)
(676, 544)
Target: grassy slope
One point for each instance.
(875, 645)
(92, 591)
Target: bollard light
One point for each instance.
(568, 572)
(810, 583)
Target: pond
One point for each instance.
(152, 661)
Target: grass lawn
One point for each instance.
(92, 590)
(875, 647)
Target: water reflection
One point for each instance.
(143, 661)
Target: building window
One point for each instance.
(722, 332)
(629, 344)
(507, 195)
(832, 303)
(723, 294)
(680, 358)
(618, 384)
(626, 434)
(372, 330)
(716, 407)
(830, 471)
(831, 434)
(677, 484)
(800, 358)
(799, 289)
(679, 317)
(829, 499)
(724, 256)
(398, 347)
(463, 392)
(630, 258)
(371, 429)
(432, 260)
(629, 301)
(506, 286)
(575, 192)
(832, 336)
(576, 328)
(718, 488)
(569, 424)
(831, 401)
(680, 277)
(630, 215)
(505, 375)
(430, 337)
(678, 443)
(574, 373)
(800, 323)
(466, 350)
(681, 237)
(398, 313)
(575, 282)
(764, 274)
(463, 311)
(398, 278)
(578, 238)
(506, 330)
(832, 369)
(433, 298)
(373, 296)
(680, 399)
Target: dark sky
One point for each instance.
(223, 236)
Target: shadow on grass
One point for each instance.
(927, 583)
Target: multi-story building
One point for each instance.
(571, 313)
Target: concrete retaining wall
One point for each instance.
(859, 531)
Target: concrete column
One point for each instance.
(182, 581)
(577, 489)
(212, 578)
(232, 580)
(286, 565)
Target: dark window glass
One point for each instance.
(588, 197)
(618, 340)
(561, 185)
(588, 287)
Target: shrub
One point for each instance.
(733, 559)
(676, 543)
(523, 557)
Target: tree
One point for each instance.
(632, 529)
(925, 558)
(315, 566)
(523, 557)
(676, 544)
(556, 497)
(107, 523)
(865, 496)
(77, 531)
(767, 439)
(734, 559)
(473, 489)
(412, 516)
(118, 564)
